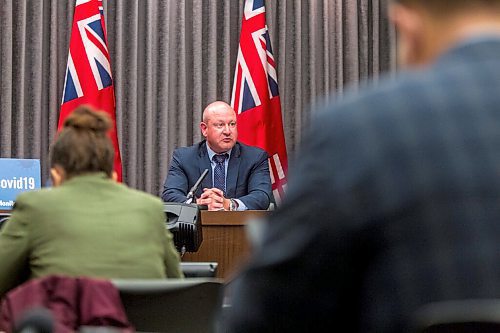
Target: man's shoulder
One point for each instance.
(446, 79)
(391, 97)
(189, 150)
(249, 150)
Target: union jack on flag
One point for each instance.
(255, 94)
(88, 78)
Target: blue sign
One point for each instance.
(16, 176)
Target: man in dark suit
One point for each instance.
(394, 201)
(238, 177)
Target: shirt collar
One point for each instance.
(211, 153)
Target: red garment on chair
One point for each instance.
(74, 302)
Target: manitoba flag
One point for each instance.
(88, 74)
(255, 94)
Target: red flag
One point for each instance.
(88, 73)
(255, 94)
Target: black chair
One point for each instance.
(460, 316)
(3, 219)
(172, 305)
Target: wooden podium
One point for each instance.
(224, 240)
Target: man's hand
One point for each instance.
(214, 199)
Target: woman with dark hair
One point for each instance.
(87, 224)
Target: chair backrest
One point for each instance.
(460, 316)
(172, 305)
(73, 302)
(3, 219)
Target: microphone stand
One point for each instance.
(190, 195)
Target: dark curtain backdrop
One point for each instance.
(172, 57)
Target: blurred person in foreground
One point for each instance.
(238, 177)
(395, 198)
(87, 224)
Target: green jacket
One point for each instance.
(88, 226)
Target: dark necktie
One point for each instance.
(220, 172)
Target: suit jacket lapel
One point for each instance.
(232, 171)
(204, 163)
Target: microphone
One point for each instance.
(190, 195)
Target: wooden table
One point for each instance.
(224, 240)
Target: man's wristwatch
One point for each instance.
(233, 204)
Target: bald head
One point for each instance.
(215, 107)
(219, 126)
